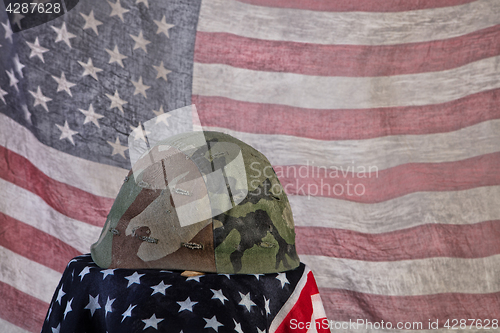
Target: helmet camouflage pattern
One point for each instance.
(211, 207)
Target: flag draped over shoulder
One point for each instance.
(381, 119)
(91, 299)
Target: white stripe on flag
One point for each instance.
(407, 277)
(352, 28)
(28, 276)
(458, 207)
(382, 153)
(29, 208)
(323, 92)
(318, 309)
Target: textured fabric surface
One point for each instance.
(91, 299)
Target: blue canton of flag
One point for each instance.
(82, 82)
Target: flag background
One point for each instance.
(408, 90)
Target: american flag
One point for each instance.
(91, 299)
(381, 119)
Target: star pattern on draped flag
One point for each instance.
(151, 300)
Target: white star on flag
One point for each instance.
(128, 312)
(18, 66)
(116, 56)
(93, 304)
(107, 307)
(84, 272)
(63, 84)
(8, 31)
(161, 116)
(160, 288)
(282, 278)
(246, 301)
(267, 305)
(91, 116)
(139, 133)
(140, 42)
(107, 271)
(37, 50)
(63, 34)
(237, 327)
(12, 78)
(140, 88)
(116, 101)
(117, 9)
(40, 99)
(117, 148)
(68, 308)
(186, 305)
(56, 329)
(219, 295)
(60, 295)
(134, 278)
(2, 94)
(163, 26)
(162, 71)
(17, 19)
(66, 132)
(152, 322)
(91, 22)
(90, 69)
(191, 278)
(212, 323)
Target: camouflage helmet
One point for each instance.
(212, 207)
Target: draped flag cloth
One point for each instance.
(381, 119)
(91, 299)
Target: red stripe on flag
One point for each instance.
(390, 183)
(426, 241)
(22, 309)
(342, 305)
(65, 199)
(345, 60)
(359, 5)
(352, 124)
(34, 244)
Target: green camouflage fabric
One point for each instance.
(253, 233)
